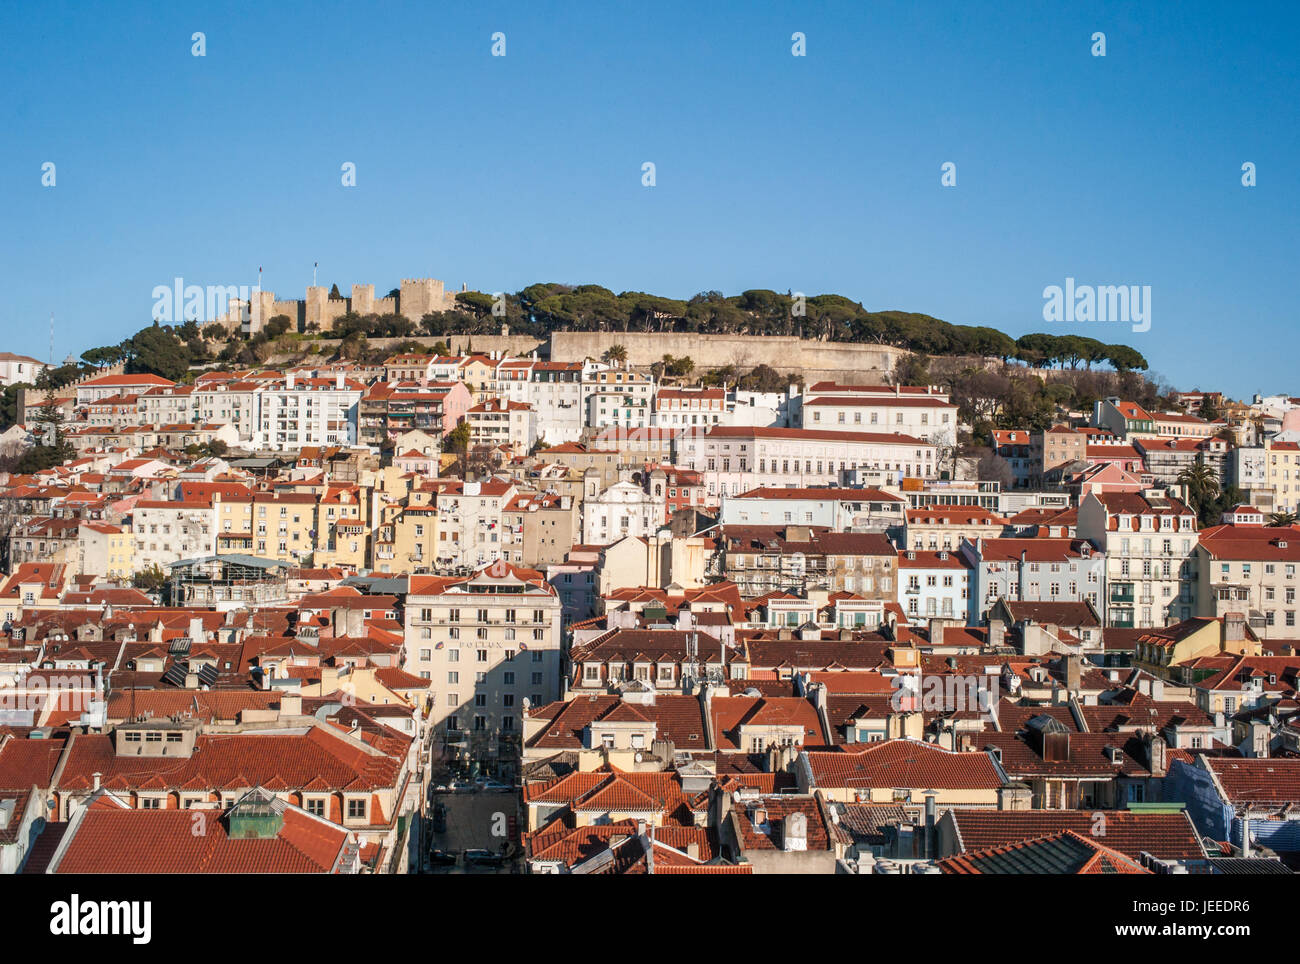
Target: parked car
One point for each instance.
(439, 818)
(485, 858)
(495, 786)
(461, 786)
(442, 858)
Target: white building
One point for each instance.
(230, 402)
(171, 405)
(621, 511)
(1034, 570)
(19, 369)
(1150, 544)
(923, 417)
(486, 644)
(166, 532)
(691, 408)
(308, 411)
(609, 408)
(470, 531)
(553, 389)
(839, 509)
(783, 409)
(625, 397)
(104, 386)
(501, 421)
(934, 584)
(735, 459)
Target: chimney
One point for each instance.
(1234, 628)
(1156, 754)
(290, 705)
(288, 380)
(1073, 673)
(931, 812)
(794, 832)
(338, 381)
(95, 778)
(936, 632)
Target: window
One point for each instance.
(315, 807)
(356, 809)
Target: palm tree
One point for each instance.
(1280, 519)
(1202, 485)
(616, 354)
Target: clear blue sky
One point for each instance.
(816, 174)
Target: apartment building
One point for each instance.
(1250, 569)
(1034, 570)
(1055, 447)
(796, 559)
(623, 509)
(499, 422)
(231, 402)
(690, 407)
(1016, 449)
(944, 527)
(407, 540)
(540, 528)
(470, 522)
(735, 459)
(1149, 541)
(616, 398)
(105, 549)
(166, 532)
(555, 390)
(934, 584)
(486, 644)
(1284, 474)
(925, 417)
(610, 409)
(1166, 458)
(308, 411)
(389, 410)
(838, 509)
(170, 404)
(103, 386)
(1127, 420)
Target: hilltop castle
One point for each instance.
(415, 298)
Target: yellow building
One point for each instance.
(106, 550)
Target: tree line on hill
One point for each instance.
(539, 309)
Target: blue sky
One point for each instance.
(816, 174)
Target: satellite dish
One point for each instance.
(637, 757)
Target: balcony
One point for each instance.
(1121, 594)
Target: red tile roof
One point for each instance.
(113, 839)
(904, 763)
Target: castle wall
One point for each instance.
(815, 360)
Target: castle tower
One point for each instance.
(363, 299)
